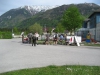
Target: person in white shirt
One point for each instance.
(37, 36)
(22, 34)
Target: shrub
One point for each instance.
(5, 35)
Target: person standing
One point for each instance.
(37, 36)
(88, 40)
(29, 37)
(66, 40)
(55, 38)
(47, 41)
(61, 39)
(34, 39)
(22, 34)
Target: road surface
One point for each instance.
(15, 55)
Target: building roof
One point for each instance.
(97, 11)
(86, 20)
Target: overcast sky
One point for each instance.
(6, 5)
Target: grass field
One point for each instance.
(58, 70)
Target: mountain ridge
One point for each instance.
(52, 17)
(19, 16)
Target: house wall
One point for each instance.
(97, 18)
(93, 21)
(84, 24)
(98, 26)
(93, 24)
(92, 32)
(88, 25)
(98, 34)
(98, 31)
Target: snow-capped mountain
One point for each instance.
(35, 8)
(24, 16)
(15, 16)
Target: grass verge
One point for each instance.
(91, 44)
(58, 70)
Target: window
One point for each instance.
(98, 19)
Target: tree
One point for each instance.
(36, 28)
(72, 19)
(49, 29)
(59, 28)
(15, 30)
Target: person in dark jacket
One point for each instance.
(34, 40)
(29, 37)
(47, 41)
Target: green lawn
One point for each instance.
(58, 70)
(91, 44)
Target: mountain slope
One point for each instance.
(23, 17)
(12, 17)
(15, 16)
(53, 16)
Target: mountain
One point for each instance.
(23, 17)
(35, 8)
(14, 16)
(52, 17)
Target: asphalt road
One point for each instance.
(15, 55)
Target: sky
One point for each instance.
(6, 5)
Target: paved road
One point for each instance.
(14, 55)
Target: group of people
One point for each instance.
(32, 38)
(55, 39)
(61, 38)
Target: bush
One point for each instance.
(5, 35)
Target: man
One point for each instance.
(47, 38)
(29, 37)
(34, 39)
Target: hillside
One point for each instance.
(50, 18)
(24, 17)
(14, 16)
